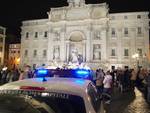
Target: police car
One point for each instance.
(50, 95)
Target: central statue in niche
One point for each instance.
(76, 47)
(74, 55)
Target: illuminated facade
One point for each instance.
(14, 54)
(2, 44)
(86, 33)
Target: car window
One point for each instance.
(40, 102)
(94, 97)
(13, 104)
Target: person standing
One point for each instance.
(133, 79)
(99, 80)
(107, 86)
(22, 75)
(126, 79)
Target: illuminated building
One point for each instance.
(86, 33)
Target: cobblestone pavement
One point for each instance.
(127, 102)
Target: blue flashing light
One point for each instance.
(82, 73)
(80, 82)
(42, 72)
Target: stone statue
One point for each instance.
(74, 55)
(56, 53)
(80, 58)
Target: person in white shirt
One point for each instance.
(107, 86)
(107, 80)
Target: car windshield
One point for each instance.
(40, 102)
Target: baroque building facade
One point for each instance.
(86, 33)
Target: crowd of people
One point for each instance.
(125, 79)
(14, 74)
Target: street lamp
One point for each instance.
(136, 56)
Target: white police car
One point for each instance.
(50, 95)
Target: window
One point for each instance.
(125, 17)
(126, 32)
(37, 102)
(139, 31)
(94, 97)
(36, 34)
(113, 52)
(138, 16)
(1, 39)
(35, 53)
(126, 52)
(1, 49)
(44, 53)
(26, 53)
(27, 35)
(140, 52)
(113, 32)
(45, 34)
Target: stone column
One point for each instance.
(120, 48)
(62, 48)
(103, 44)
(50, 48)
(67, 50)
(84, 51)
(88, 47)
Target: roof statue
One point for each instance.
(76, 3)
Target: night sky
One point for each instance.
(13, 12)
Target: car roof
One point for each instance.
(63, 85)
